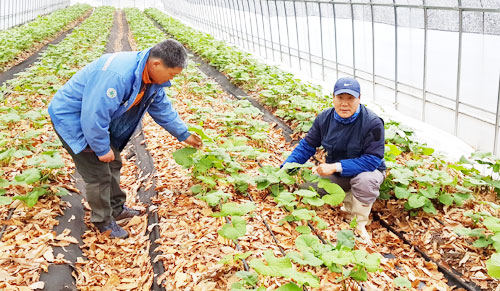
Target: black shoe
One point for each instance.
(116, 230)
(127, 213)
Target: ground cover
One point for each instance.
(34, 169)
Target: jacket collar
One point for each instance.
(347, 120)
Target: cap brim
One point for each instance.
(348, 91)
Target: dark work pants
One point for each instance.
(102, 183)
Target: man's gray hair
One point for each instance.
(171, 53)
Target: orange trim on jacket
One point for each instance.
(145, 81)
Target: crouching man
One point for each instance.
(353, 137)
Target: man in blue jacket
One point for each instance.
(353, 137)
(96, 112)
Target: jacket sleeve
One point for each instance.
(165, 115)
(373, 152)
(301, 153)
(313, 136)
(102, 96)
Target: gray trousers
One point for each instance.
(364, 187)
(102, 183)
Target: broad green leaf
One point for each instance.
(427, 151)
(370, 261)
(207, 180)
(307, 242)
(315, 201)
(308, 176)
(392, 150)
(446, 199)
(226, 260)
(402, 282)
(22, 153)
(402, 175)
(285, 198)
(416, 201)
(284, 177)
(359, 274)
(302, 278)
(320, 223)
(213, 197)
(429, 193)
(7, 154)
(230, 259)
(307, 258)
(4, 200)
(333, 200)
(262, 183)
(496, 241)
(242, 256)
(62, 191)
(31, 198)
(183, 156)
(289, 287)
(3, 182)
(493, 266)
(306, 193)
(289, 166)
(492, 223)
(200, 132)
(340, 257)
(259, 136)
(330, 188)
(249, 278)
(53, 160)
(460, 198)
(196, 188)
(303, 229)
(401, 193)
(235, 209)
(29, 176)
(236, 229)
(303, 214)
(429, 207)
(482, 242)
(346, 238)
(274, 266)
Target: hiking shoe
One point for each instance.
(115, 231)
(127, 213)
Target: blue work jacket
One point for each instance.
(358, 145)
(93, 109)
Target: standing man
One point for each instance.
(96, 112)
(353, 137)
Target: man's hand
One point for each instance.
(326, 169)
(194, 141)
(110, 156)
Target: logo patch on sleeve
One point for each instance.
(111, 92)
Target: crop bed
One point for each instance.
(226, 217)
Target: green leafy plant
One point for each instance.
(15, 40)
(282, 267)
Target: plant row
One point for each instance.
(32, 165)
(239, 138)
(14, 41)
(29, 150)
(415, 175)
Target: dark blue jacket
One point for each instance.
(358, 145)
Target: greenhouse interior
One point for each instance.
(288, 145)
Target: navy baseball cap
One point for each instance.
(347, 85)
